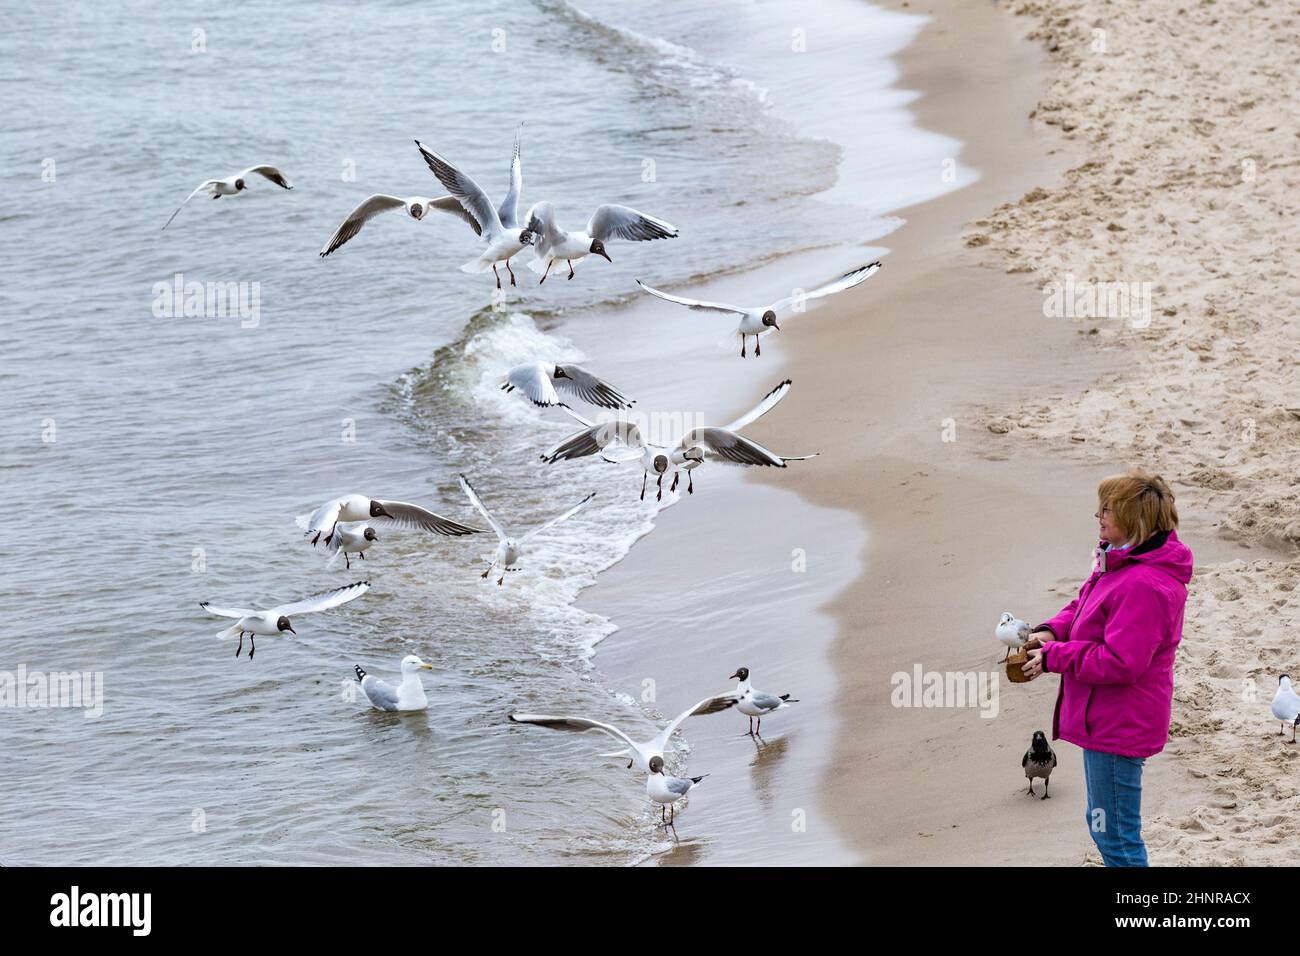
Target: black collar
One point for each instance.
(1157, 540)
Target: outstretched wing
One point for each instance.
(227, 611)
(371, 207)
(322, 518)
(768, 402)
(271, 173)
(470, 194)
(197, 189)
(709, 705)
(508, 211)
(694, 304)
(593, 439)
(477, 502)
(844, 282)
(574, 724)
(623, 222)
(728, 446)
(541, 228)
(322, 601)
(414, 518)
(578, 381)
(564, 517)
(452, 205)
(534, 382)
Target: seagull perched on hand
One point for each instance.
(607, 223)
(277, 619)
(417, 207)
(500, 229)
(395, 513)
(754, 703)
(665, 790)
(759, 320)
(510, 550)
(1286, 705)
(408, 695)
(1039, 761)
(1012, 632)
(216, 188)
(540, 380)
(640, 753)
(621, 440)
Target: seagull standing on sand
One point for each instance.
(621, 440)
(417, 207)
(665, 790)
(1039, 761)
(397, 514)
(1012, 632)
(638, 753)
(754, 703)
(510, 550)
(607, 223)
(540, 380)
(1286, 705)
(355, 537)
(216, 188)
(499, 228)
(408, 695)
(277, 619)
(759, 320)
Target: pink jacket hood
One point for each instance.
(1115, 646)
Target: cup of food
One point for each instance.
(1018, 658)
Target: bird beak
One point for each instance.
(292, 631)
(735, 676)
(775, 326)
(606, 255)
(427, 667)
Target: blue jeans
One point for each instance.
(1115, 807)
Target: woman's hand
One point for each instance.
(1034, 666)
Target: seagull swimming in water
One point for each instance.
(417, 207)
(408, 695)
(397, 514)
(620, 441)
(754, 703)
(278, 619)
(499, 228)
(510, 550)
(216, 188)
(760, 319)
(665, 790)
(539, 381)
(639, 753)
(607, 223)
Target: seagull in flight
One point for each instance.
(278, 619)
(620, 440)
(607, 223)
(665, 790)
(417, 207)
(499, 228)
(754, 703)
(408, 695)
(639, 753)
(216, 188)
(397, 514)
(354, 537)
(759, 320)
(539, 381)
(510, 550)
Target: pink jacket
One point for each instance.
(1114, 649)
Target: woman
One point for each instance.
(1114, 646)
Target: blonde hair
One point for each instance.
(1141, 504)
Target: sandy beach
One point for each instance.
(966, 430)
